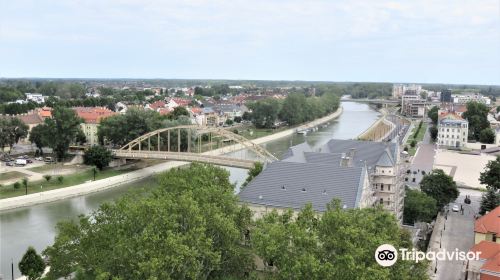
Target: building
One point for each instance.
(488, 265)
(398, 90)
(414, 108)
(359, 173)
(91, 117)
(33, 118)
(446, 96)
(35, 97)
(470, 97)
(453, 130)
(487, 227)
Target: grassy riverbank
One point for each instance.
(54, 183)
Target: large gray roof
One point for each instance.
(281, 184)
(365, 151)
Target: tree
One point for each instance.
(190, 227)
(434, 132)
(31, 265)
(265, 112)
(98, 156)
(253, 172)
(339, 244)
(62, 130)
(293, 109)
(489, 201)
(17, 185)
(238, 119)
(11, 131)
(491, 174)
(47, 177)
(121, 129)
(433, 114)
(487, 136)
(418, 207)
(60, 179)
(477, 115)
(179, 111)
(439, 186)
(229, 122)
(38, 137)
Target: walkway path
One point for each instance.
(99, 185)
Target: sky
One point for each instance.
(425, 41)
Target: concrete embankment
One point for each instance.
(378, 130)
(99, 185)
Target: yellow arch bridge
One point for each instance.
(193, 143)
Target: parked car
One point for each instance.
(29, 160)
(21, 162)
(10, 163)
(455, 208)
(39, 158)
(49, 159)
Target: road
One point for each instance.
(423, 160)
(458, 233)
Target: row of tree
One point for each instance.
(11, 131)
(296, 108)
(193, 227)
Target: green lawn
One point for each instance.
(69, 180)
(418, 138)
(47, 167)
(11, 175)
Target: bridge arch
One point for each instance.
(150, 145)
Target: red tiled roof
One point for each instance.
(488, 249)
(196, 110)
(450, 115)
(489, 223)
(30, 118)
(492, 264)
(157, 104)
(164, 111)
(182, 101)
(93, 114)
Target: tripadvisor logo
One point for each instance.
(387, 255)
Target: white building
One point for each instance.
(452, 130)
(399, 90)
(35, 97)
(475, 97)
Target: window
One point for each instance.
(494, 237)
(381, 187)
(381, 201)
(389, 187)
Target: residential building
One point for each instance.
(488, 265)
(92, 116)
(487, 227)
(453, 130)
(398, 90)
(359, 173)
(33, 118)
(416, 108)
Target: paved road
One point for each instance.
(423, 160)
(458, 232)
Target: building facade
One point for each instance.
(91, 117)
(453, 130)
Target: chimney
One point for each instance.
(344, 160)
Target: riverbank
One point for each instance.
(99, 185)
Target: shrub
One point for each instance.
(60, 179)
(47, 177)
(413, 143)
(17, 185)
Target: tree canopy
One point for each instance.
(31, 265)
(97, 155)
(491, 174)
(477, 115)
(418, 207)
(62, 130)
(190, 227)
(11, 130)
(439, 186)
(339, 244)
(433, 114)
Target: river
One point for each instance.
(35, 225)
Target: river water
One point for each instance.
(35, 225)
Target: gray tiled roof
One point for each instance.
(281, 184)
(385, 160)
(365, 151)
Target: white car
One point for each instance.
(455, 208)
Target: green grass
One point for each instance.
(259, 132)
(47, 167)
(11, 175)
(69, 180)
(418, 138)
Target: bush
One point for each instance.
(487, 136)
(60, 179)
(405, 149)
(237, 119)
(235, 131)
(413, 143)
(17, 185)
(47, 177)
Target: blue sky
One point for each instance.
(448, 41)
